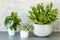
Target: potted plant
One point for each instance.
(11, 23)
(25, 29)
(42, 18)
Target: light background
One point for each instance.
(22, 6)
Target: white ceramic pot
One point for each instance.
(42, 30)
(24, 34)
(11, 32)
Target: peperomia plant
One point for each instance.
(12, 21)
(26, 27)
(41, 14)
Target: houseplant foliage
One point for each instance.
(25, 29)
(42, 18)
(43, 15)
(12, 21)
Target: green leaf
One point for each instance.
(51, 5)
(13, 14)
(26, 27)
(41, 14)
(12, 21)
(8, 22)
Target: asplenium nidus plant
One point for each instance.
(41, 14)
(12, 21)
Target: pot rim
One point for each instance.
(41, 24)
(24, 30)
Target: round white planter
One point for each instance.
(11, 32)
(42, 30)
(24, 34)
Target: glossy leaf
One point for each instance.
(41, 14)
(8, 22)
(12, 21)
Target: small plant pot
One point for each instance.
(11, 32)
(42, 30)
(24, 34)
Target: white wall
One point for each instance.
(21, 6)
